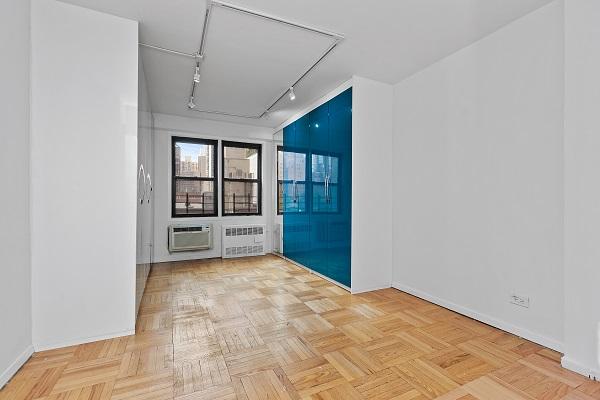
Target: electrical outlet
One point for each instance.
(520, 301)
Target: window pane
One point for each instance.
(240, 197)
(241, 163)
(280, 168)
(194, 197)
(280, 197)
(194, 160)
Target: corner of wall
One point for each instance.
(12, 369)
(15, 173)
(579, 367)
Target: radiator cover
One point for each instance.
(243, 240)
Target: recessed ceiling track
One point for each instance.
(336, 39)
(175, 52)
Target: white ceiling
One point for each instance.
(385, 40)
(251, 61)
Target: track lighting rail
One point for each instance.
(165, 50)
(336, 39)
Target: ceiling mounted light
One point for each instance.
(191, 104)
(292, 94)
(197, 74)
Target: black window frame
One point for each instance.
(214, 179)
(241, 145)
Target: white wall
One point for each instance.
(167, 126)
(145, 194)
(15, 266)
(83, 176)
(582, 190)
(371, 185)
(478, 188)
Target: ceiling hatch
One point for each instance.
(248, 61)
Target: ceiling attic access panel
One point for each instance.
(250, 60)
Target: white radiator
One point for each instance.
(243, 240)
(190, 237)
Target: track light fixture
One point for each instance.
(199, 56)
(197, 74)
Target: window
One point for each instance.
(194, 181)
(291, 181)
(242, 184)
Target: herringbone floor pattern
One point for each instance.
(261, 328)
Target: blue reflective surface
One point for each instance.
(318, 189)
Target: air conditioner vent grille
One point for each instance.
(190, 238)
(190, 228)
(244, 231)
(243, 241)
(242, 251)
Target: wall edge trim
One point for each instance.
(578, 367)
(371, 289)
(328, 279)
(78, 341)
(318, 102)
(12, 369)
(486, 319)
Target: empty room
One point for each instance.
(320, 199)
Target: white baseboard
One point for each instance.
(576, 366)
(312, 271)
(505, 326)
(73, 342)
(371, 289)
(14, 367)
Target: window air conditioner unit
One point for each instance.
(190, 237)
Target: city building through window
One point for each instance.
(194, 179)
(242, 185)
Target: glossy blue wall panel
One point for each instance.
(303, 217)
(292, 240)
(319, 147)
(296, 224)
(340, 224)
(318, 235)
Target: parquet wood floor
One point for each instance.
(262, 328)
